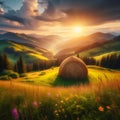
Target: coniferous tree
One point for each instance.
(21, 65)
(118, 62)
(6, 62)
(111, 61)
(89, 60)
(1, 62)
(16, 68)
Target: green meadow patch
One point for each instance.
(21, 101)
(50, 77)
(44, 96)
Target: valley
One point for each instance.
(59, 60)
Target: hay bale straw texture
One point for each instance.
(73, 68)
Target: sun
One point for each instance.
(77, 29)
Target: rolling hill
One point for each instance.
(108, 47)
(37, 43)
(14, 50)
(92, 45)
(77, 44)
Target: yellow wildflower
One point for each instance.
(108, 107)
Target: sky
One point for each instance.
(60, 17)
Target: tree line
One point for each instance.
(21, 67)
(108, 61)
(6, 64)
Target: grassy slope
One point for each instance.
(110, 47)
(106, 54)
(49, 77)
(28, 53)
(95, 101)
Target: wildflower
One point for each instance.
(63, 110)
(15, 113)
(49, 93)
(108, 107)
(101, 109)
(35, 104)
(55, 111)
(61, 101)
(57, 114)
(56, 105)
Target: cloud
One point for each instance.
(51, 14)
(89, 12)
(29, 14)
(66, 12)
(24, 16)
(29, 8)
(1, 10)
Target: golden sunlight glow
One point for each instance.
(77, 29)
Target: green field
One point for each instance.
(50, 77)
(43, 96)
(106, 54)
(106, 48)
(16, 49)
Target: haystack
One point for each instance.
(73, 68)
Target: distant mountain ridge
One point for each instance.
(14, 50)
(83, 43)
(3, 31)
(101, 35)
(86, 40)
(45, 42)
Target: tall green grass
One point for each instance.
(50, 77)
(95, 101)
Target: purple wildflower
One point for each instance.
(35, 104)
(49, 93)
(15, 113)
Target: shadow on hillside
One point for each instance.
(65, 82)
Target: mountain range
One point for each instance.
(29, 40)
(43, 44)
(82, 43)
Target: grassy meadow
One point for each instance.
(15, 50)
(101, 50)
(46, 99)
(50, 77)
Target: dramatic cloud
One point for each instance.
(51, 13)
(34, 14)
(89, 12)
(1, 10)
(25, 15)
(29, 8)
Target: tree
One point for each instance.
(16, 67)
(1, 62)
(6, 63)
(21, 65)
(111, 61)
(89, 60)
(118, 62)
